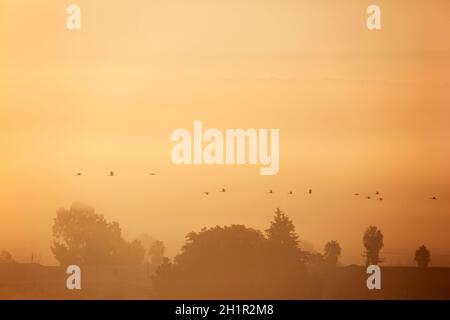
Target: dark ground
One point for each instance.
(33, 281)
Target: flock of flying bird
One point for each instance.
(111, 174)
(377, 193)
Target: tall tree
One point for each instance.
(282, 231)
(156, 253)
(332, 252)
(373, 242)
(422, 257)
(80, 236)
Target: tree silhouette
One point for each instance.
(213, 262)
(373, 242)
(231, 262)
(332, 252)
(156, 253)
(284, 244)
(282, 231)
(80, 236)
(422, 257)
(6, 258)
(146, 240)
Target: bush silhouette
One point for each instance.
(422, 257)
(6, 258)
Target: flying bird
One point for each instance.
(433, 198)
(310, 191)
(152, 174)
(380, 199)
(377, 193)
(270, 191)
(369, 197)
(356, 194)
(78, 174)
(206, 193)
(111, 173)
(290, 192)
(223, 190)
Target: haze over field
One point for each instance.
(358, 112)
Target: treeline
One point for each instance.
(219, 262)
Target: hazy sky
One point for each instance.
(358, 111)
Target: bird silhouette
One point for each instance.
(152, 174)
(78, 174)
(369, 197)
(111, 173)
(380, 199)
(356, 194)
(433, 198)
(223, 190)
(270, 191)
(310, 191)
(377, 193)
(206, 193)
(290, 192)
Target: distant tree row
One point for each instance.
(83, 237)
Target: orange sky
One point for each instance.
(358, 111)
